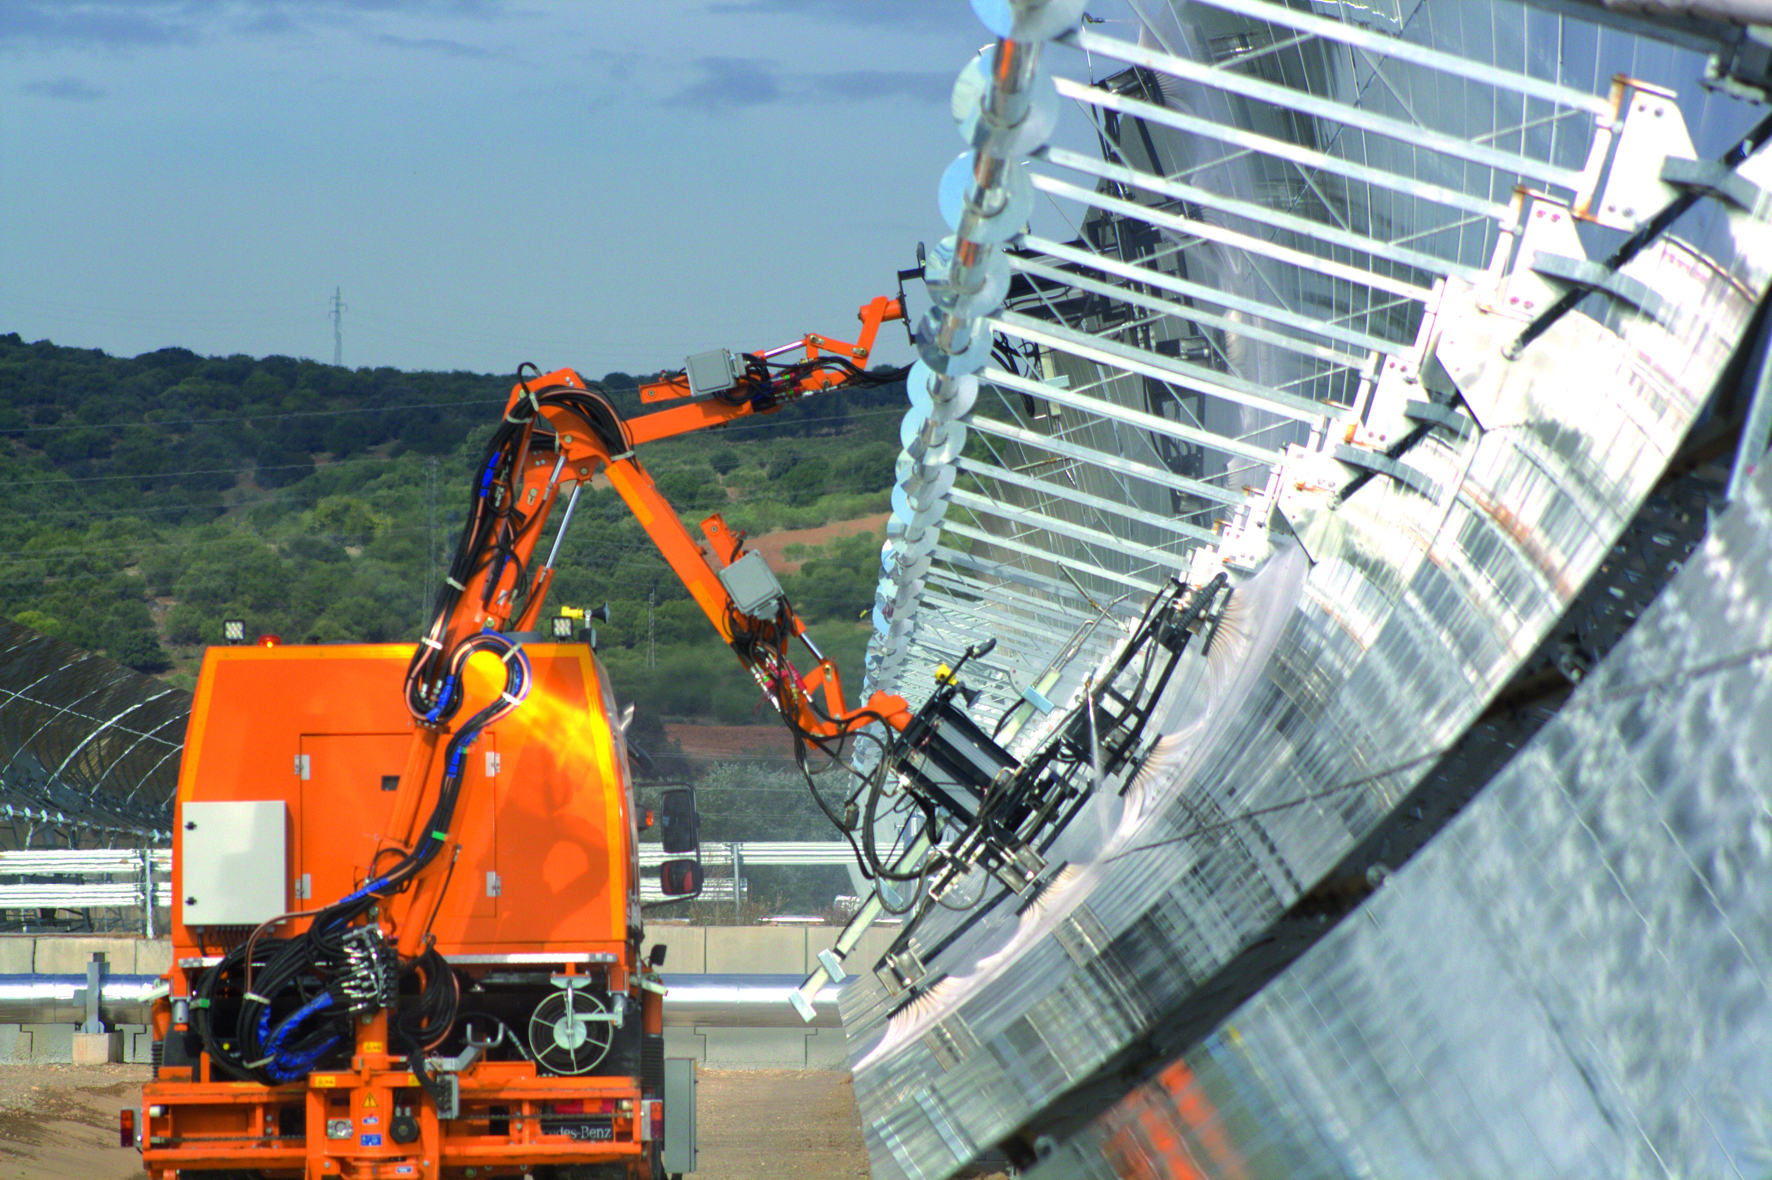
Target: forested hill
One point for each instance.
(151, 497)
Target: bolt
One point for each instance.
(190, 901)
(190, 825)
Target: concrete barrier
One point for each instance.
(50, 954)
(748, 950)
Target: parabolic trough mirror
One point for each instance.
(1407, 347)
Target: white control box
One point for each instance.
(234, 857)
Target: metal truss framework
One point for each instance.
(1148, 374)
(89, 749)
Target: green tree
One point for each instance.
(140, 650)
(36, 620)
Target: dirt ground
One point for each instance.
(773, 545)
(716, 742)
(59, 1122)
(766, 1124)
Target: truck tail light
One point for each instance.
(585, 1106)
(126, 1128)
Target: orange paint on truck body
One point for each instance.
(545, 875)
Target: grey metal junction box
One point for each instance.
(234, 857)
(679, 1112)
(752, 585)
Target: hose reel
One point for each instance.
(571, 1030)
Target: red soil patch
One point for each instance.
(773, 545)
(717, 743)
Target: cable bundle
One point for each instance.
(491, 535)
(764, 650)
(766, 383)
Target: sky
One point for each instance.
(605, 186)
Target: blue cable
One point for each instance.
(273, 1041)
(300, 1065)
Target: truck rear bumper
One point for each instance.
(381, 1126)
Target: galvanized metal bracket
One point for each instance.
(1383, 464)
(832, 965)
(93, 994)
(1581, 272)
(1653, 132)
(1713, 179)
(901, 971)
(1438, 415)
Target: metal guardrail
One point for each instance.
(760, 852)
(81, 860)
(64, 878)
(61, 878)
(737, 856)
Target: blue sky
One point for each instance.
(608, 186)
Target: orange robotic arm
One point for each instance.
(564, 434)
(556, 435)
(827, 363)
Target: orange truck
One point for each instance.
(407, 923)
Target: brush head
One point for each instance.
(924, 1003)
(1054, 884)
(1163, 756)
(1229, 638)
